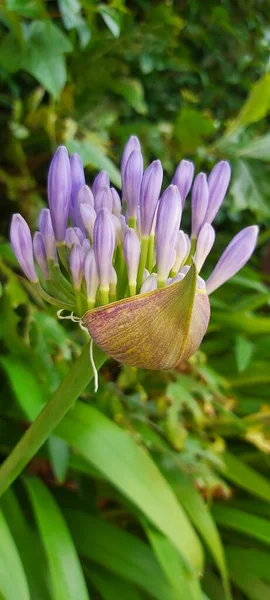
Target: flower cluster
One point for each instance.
(93, 249)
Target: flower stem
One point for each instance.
(143, 257)
(80, 374)
(150, 255)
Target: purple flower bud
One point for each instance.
(40, 254)
(103, 199)
(204, 245)
(177, 277)
(86, 246)
(131, 145)
(132, 182)
(182, 249)
(199, 203)
(46, 229)
(168, 222)
(132, 251)
(77, 182)
(100, 181)
(72, 236)
(183, 178)
(79, 234)
(104, 242)
(85, 196)
(91, 276)
(22, 246)
(88, 215)
(59, 191)
(124, 227)
(218, 182)
(118, 229)
(233, 258)
(76, 263)
(149, 195)
(149, 284)
(117, 206)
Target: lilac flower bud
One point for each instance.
(59, 191)
(182, 249)
(40, 254)
(149, 284)
(149, 195)
(91, 277)
(76, 263)
(117, 206)
(177, 277)
(79, 234)
(168, 222)
(199, 203)
(104, 242)
(183, 178)
(86, 246)
(200, 283)
(100, 181)
(22, 246)
(118, 229)
(131, 145)
(85, 196)
(103, 199)
(77, 182)
(72, 236)
(46, 228)
(233, 258)
(124, 227)
(132, 251)
(218, 182)
(204, 245)
(132, 182)
(88, 215)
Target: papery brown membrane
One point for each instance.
(156, 330)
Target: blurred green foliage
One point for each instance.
(156, 466)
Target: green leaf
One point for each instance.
(256, 106)
(72, 19)
(252, 586)
(133, 92)
(28, 545)
(120, 552)
(44, 55)
(238, 520)
(27, 8)
(59, 455)
(13, 582)
(259, 148)
(243, 352)
(111, 18)
(245, 477)
(25, 386)
(11, 54)
(192, 127)
(201, 517)
(111, 587)
(173, 567)
(129, 468)
(92, 154)
(66, 574)
(246, 191)
(255, 562)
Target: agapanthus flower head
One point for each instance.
(124, 265)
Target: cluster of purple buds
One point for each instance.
(93, 248)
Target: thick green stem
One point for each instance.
(80, 374)
(150, 255)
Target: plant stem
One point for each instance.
(80, 374)
(143, 257)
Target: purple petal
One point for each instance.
(76, 263)
(149, 195)
(91, 276)
(85, 196)
(77, 182)
(204, 245)
(233, 258)
(46, 228)
(168, 223)
(199, 203)
(132, 144)
(59, 191)
(183, 178)
(132, 251)
(132, 182)
(21, 241)
(104, 243)
(88, 215)
(40, 254)
(218, 182)
(103, 199)
(100, 181)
